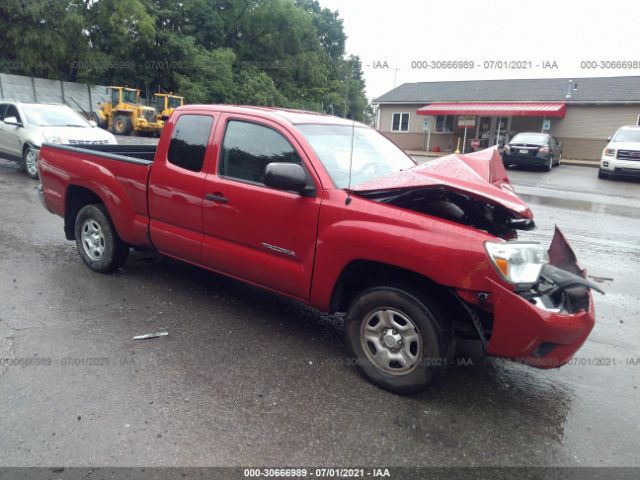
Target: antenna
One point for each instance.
(347, 200)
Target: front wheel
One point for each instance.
(122, 125)
(30, 161)
(98, 243)
(400, 341)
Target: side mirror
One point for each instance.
(609, 138)
(12, 121)
(93, 123)
(286, 176)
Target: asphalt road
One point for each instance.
(248, 378)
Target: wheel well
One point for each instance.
(25, 146)
(76, 198)
(360, 275)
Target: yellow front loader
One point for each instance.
(124, 114)
(165, 104)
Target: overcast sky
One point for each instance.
(567, 32)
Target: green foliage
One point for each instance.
(262, 52)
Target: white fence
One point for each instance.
(80, 97)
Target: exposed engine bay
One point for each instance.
(455, 206)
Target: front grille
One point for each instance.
(88, 142)
(149, 115)
(628, 155)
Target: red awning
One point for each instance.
(496, 109)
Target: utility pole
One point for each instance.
(395, 76)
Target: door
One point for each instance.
(259, 234)
(10, 143)
(176, 187)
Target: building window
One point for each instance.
(189, 141)
(400, 122)
(444, 123)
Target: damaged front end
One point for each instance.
(472, 190)
(545, 321)
(456, 206)
(536, 307)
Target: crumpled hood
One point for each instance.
(479, 174)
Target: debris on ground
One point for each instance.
(151, 335)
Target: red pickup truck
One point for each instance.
(331, 213)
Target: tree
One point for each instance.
(264, 52)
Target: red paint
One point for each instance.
(164, 207)
(496, 109)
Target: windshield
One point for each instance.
(627, 135)
(53, 116)
(129, 97)
(174, 102)
(534, 138)
(373, 155)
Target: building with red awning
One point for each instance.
(581, 113)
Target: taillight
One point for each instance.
(544, 149)
(507, 148)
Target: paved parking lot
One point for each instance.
(248, 378)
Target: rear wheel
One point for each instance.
(100, 121)
(400, 340)
(30, 161)
(98, 243)
(122, 125)
(549, 165)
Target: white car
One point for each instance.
(621, 157)
(24, 127)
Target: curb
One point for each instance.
(580, 163)
(565, 161)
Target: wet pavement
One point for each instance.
(248, 378)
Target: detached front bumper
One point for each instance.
(536, 335)
(526, 333)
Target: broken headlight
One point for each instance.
(518, 262)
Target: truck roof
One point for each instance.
(294, 117)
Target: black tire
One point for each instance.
(100, 121)
(603, 175)
(114, 250)
(559, 159)
(122, 125)
(433, 328)
(29, 161)
(548, 166)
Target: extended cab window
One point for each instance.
(189, 141)
(3, 108)
(248, 148)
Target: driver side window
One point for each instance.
(12, 111)
(248, 148)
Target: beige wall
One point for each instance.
(583, 132)
(415, 138)
(526, 124)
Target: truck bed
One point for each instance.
(117, 174)
(144, 153)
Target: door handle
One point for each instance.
(217, 198)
